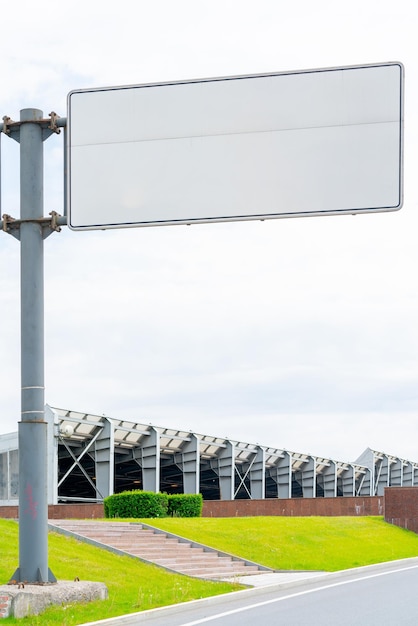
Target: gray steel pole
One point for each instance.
(33, 502)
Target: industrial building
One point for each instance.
(91, 456)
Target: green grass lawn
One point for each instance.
(132, 585)
(298, 543)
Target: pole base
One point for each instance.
(17, 578)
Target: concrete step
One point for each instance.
(164, 550)
(193, 561)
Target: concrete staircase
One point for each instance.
(152, 545)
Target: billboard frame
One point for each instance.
(75, 223)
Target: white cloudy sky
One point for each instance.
(299, 333)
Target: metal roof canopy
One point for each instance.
(85, 428)
(312, 142)
(92, 445)
(129, 434)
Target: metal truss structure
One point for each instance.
(92, 456)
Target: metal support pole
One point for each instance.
(33, 503)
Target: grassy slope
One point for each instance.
(133, 586)
(319, 543)
(311, 543)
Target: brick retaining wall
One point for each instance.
(61, 511)
(401, 507)
(371, 505)
(9, 512)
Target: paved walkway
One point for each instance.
(275, 578)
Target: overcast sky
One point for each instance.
(299, 333)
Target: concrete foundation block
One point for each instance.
(23, 600)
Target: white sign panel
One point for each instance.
(314, 142)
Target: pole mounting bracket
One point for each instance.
(49, 126)
(53, 126)
(7, 121)
(49, 225)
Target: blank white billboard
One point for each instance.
(314, 142)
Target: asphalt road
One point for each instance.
(376, 595)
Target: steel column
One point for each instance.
(190, 464)
(258, 475)
(150, 461)
(33, 505)
(104, 456)
(284, 475)
(226, 471)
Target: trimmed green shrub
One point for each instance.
(185, 505)
(149, 504)
(136, 504)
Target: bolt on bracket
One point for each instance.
(49, 225)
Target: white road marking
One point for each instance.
(294, 595)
